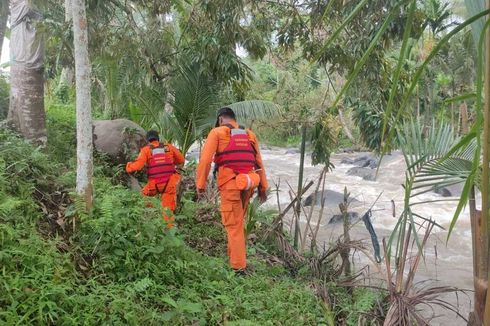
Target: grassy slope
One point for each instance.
(119, 266)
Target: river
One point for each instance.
(445, 264)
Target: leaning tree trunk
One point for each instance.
(4, 14)
(479, 277)
(83, 104)
(485, 179)
(463, 119)
(347, 131)
(67, 76)
(26, 111)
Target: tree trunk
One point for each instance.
(347, 131)
(453, 124)
(345, 252)
(67, 77)
(26, 110)
(479, 280)
(485, 179)
(83, 103)
(297, 230)
(463, 117)
(68, 11)
(418, 103)
(4, 14)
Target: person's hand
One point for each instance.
(128, 169)
(262, 196)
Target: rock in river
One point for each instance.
(293, 151)
(339, 218)
(331, 198)
(365, 173)
(450, 191)
(364, 161)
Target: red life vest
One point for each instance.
(161, 165)
(239, 155)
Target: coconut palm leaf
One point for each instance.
(193, 102)
(474, 7)
(428, 163)
(246, 111)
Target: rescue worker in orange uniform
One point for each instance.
(240, 170)
(161, 161)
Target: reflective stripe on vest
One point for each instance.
(161, 165)
(239, 154)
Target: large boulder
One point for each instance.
(330, 197)
(364, 161)
(449, 191)
(192, 154)
(264, 147)
(365, 173)
(120, 139)
(292, 151)
(339, 218)
(347, 150)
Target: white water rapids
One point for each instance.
(445, 265)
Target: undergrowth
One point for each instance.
(119, 265)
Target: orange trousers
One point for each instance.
(234, 205)
(169, 197)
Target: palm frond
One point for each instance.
(193, 102)
(427, 159)
(474, 7)
(246, 111)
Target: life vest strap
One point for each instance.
(235, 161)
(236, 151)
(155, 175)
(161, 164)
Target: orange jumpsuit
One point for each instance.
(233, 205)
(168, 190)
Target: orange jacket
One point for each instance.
(217, 141)
(145, 155)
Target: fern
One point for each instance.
(106, 208)
(80, 207)
(142, 285)
(8, 205)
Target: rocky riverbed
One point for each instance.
(449, 264)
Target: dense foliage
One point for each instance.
(4, 96)
(118, 264)
(350, 73)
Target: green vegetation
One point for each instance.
(118, 264)
(375, 74)
(4, 96)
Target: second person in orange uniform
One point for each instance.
(161, 161)
(240, 169)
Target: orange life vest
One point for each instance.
(239, 155)
(161, 165)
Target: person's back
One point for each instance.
(240, 171)
(160, 160)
